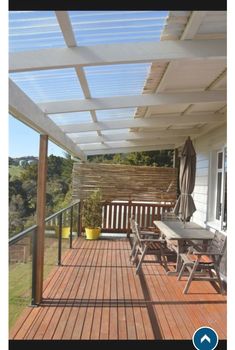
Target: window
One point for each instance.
(218, 185)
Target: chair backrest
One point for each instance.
(132, 224)
(135, 227)
(218, 244)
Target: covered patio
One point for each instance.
(106, 83)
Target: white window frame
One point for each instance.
(212, 221)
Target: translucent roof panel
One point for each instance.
(115, 131)
(71, 118)
(115, 114)
(107, 27)
(49, 85)
(31, 30)
(96, 145)
(84, 133)
(117, 80)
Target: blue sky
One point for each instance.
(24, 141)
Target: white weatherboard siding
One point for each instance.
(204, 191)
(203, 196)
(201, 189)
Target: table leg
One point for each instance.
(180, 249)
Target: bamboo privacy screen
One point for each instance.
(125, 182)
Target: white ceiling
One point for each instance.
(118, 81)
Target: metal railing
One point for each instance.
(22, 247)
(115, 219)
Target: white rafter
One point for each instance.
(56, 58)
(132, 101)
(131, 149)
(66, 28)
(163, 121)
(135, 143)
(193, 25)
(135, 135)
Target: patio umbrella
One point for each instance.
(185, 206)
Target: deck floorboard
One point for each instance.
(96, 294)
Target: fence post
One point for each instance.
(60, 239)
(71, 228)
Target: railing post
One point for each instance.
(71, 228)
(60, 239)
(80, 218)
(34, 267)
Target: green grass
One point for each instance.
(20, 275)
(15, 171)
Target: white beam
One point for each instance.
(136, 143)
(163, 121)
(130, 149)
(193, 25)
(56, 58)
(132, 101)
(135, 135)
(24, 109)
(66, 28)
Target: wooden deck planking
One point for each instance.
(96, 294)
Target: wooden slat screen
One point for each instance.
(125, 182)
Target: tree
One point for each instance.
(163, 158)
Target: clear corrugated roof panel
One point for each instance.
(71, 118)
(83, 134)
(107, 27)
(115, 114)
(91, 146)
(117, 80)
(31, 30)
(115, 131)
(49, 85)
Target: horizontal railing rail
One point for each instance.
(22, 234)
(22, 246)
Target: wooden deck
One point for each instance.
(97, 295)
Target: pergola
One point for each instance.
(115, 82)
(144, 80)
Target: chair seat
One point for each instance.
(204, 265)
(192, 258)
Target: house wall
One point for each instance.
(204, 196)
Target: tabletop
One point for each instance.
(176, 230)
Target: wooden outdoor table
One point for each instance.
(177, 231)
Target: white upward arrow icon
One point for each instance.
(205, 337)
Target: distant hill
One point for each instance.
(23, 160)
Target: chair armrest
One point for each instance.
(149, 233)
(150, 240)
(195, 252)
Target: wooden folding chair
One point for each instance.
(147, 243)
(204, 265)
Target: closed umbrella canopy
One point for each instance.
(185, 206)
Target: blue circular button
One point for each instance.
(205, 338)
